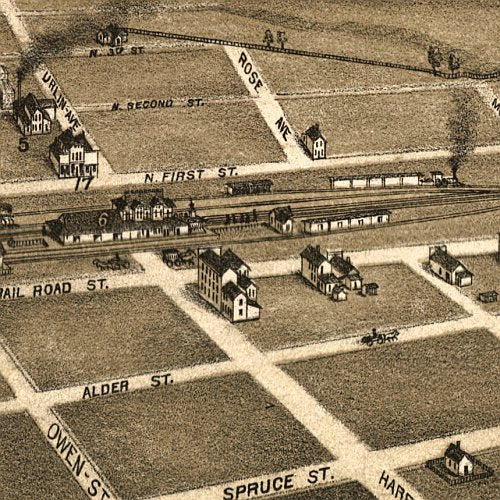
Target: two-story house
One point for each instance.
(73, 156)
(314, 142)
(223, 281)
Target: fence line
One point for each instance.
(321, 55)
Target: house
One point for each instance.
(35, 116)
(458, 461)
(257, 186)
(338, 293)
(381, 180)
(314, 142)
(488, 297)
(73, 156)
(144, 204)
(448, 267)
(224, 282)
(112, 35)
(370, 289)
(281, 220)
(7, 93)
(324, 272)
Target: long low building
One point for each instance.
(93, 226)
(346, 221)
(376, 180)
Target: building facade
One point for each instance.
(448, 268)
(314, 142)
(112, 35)
(346, 221)
(72, 156)
(35, 116)
(224, 282)
(458, 461)
(281, 220)
(382, 180)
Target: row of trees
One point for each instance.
(436, 58)
(244, 218)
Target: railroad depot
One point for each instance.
(346, 221)
(135, 215)
(224, 282)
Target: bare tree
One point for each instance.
(268, 38)
(282, 39)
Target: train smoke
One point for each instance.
(462, 125)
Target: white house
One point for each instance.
(281, 219)
(448, 268)
(35, 116)
(73, 156)
(223, 281)
(458, 461)
(314, 142)
(144, 204)
(326, 272)
(112, 35)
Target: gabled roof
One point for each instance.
(338, 289)
(2, 249)
(87, 222)
(253, 303)
(244, 282)
(115, 30)
(63, 142)
(282, 214)
(231, 260)
(455, 453)
(314, 133)
(221, 263)
(443, 258)
(28, 106)
(342, 266)
(313, 255)
(151, 197)
(328, 278)
(373, 286)
(232, 290)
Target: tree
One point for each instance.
(228, 219)
(254, 215)
(268, 38)
(282, 39)
(453, 62)
(434, 57)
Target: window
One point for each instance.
(380, 218)
(360, 222)
(339, 224)
(240, 312)
(241, 302)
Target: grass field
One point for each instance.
(5, 390)
(345, 491)
(33, 163)
(183, 137)
(405, 393)
(486, 269)
(139, 330)
(289, 304)
(371, 123)
(190, 435)
(29, 468)
(432, 486)
(8, 42)
(173, 75)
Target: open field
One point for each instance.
(190, 435)
(364, 388)
(183, 137)
(371, 123)
(63, 269)
(29, 468)
(8, 42)
(5, 390)
(486, 269)
(289, 303)
(344, 491)
(140, 330)
(33, 163)
(196, 72)
(430, 485)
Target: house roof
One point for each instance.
(328, 278)
(135, 198)
(5, 208)
(348, 216)
(115, 30)
(253, 303)
(63, 142)
(490, 293)
(313, 255)
(221, 263)
(2, 249)
(282, 214)
(245, 282)
(342, 266)
(338, 289)
(447, 261)
(314, 133)
(373, 286)
(232, 290)
(455, 453)
(256, 182)
(30, 104)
